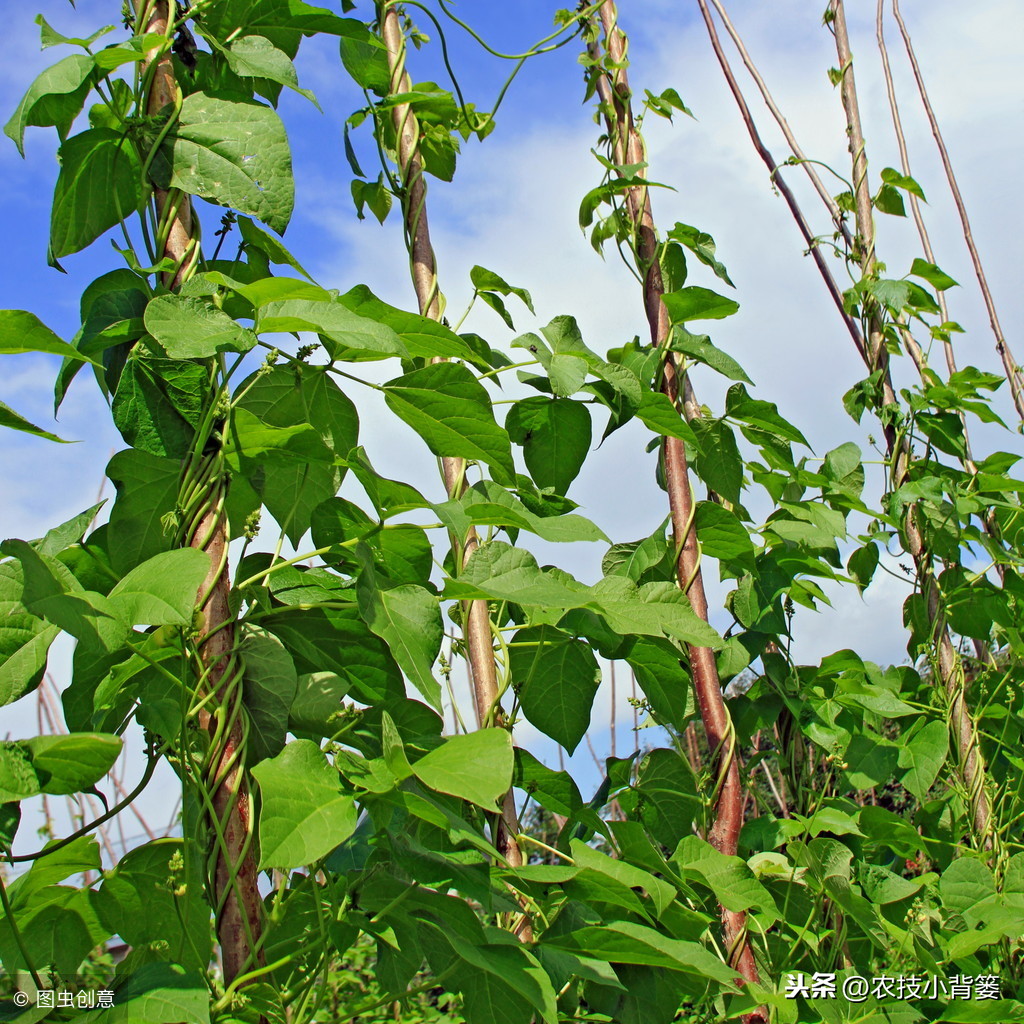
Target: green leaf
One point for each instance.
(24, 638)
(374, 194)
(160, 993)
(699, 347)
(554, 790)
(843, 469)
(13, 421)
(18, 779)
(967, 883)
(366, 59)
(511, 574)
(232, 151)
(137, 902)
(147, 490)
(888, 200)
(808, 522)
(694, 303)
(862, 565)
(763, 415)
(556, 679)
(422, 337)
(408, 619)
(99, 185)
(449, 408)
(49, 36)
(489, 504)
(701, 244)
(555, 435)
(188, 328)
(718, 462)
(729, 878)
(500, 983)
(162, 590)
(724, 537)
(256, 238)
(923, 755)
(652, 609)
(54, 98)
(71, 532)
(72, 762)
(628, 943)
(487, 281)
(304, 815)
(296, 422)
(298, 395)
(283, 22)
(53, 592)
(25, 332)
(337, 640)
(937, 278)
(270, 686)
(255, 56)
(346, 335)
(896, 180)
(476, 767)
(657, 412)
(666, 684)
(635, 558)
(669, 791)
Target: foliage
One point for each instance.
(238, 387)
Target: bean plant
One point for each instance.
(281, 619)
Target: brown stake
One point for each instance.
(423, 268)
(628, 149)
(235, 894)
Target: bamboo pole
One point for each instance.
(233, 878)
(423, 269)
(949, 665)
(628, 149)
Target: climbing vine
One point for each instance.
(285, 624)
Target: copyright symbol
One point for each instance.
(856, 988)
(21, 999)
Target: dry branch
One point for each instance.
(777, 177)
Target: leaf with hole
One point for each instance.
(233, 151)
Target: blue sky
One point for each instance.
(513, 208)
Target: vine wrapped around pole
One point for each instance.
(423, 268)
(628, 149)
(948, 663)
(217, 701)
